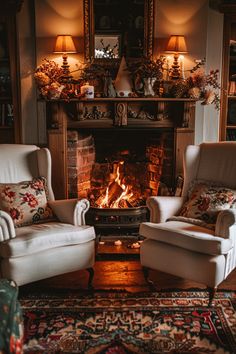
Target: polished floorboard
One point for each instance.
(122, 275)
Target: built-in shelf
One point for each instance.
(10, 112)
(228, 102)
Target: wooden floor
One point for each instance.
(122, 275)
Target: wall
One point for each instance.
(211, 118)
(203, 29)
(194, 19)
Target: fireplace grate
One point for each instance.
(109, 220)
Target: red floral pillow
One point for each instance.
(26, 201)
(206, 201)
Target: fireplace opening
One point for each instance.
(117, 170)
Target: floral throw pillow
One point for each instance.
(205, 202)
(26, 201)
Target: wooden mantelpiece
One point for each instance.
(116, 113)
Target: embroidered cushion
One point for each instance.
(206, 201)
(26, 201)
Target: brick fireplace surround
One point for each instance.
(89, 172)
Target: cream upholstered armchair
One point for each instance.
(194, 236)
(39, 237)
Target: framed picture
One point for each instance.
(107, 46)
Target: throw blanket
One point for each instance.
(11, 328)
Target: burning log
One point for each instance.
(114, 192)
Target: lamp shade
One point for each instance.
(176, 44)
(64, 44)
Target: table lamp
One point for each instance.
(65, 44)
(176, 45)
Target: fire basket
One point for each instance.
(108, 220)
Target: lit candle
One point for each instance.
(181, 64)
(135, 245)
(118, 243)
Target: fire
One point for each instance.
(116, 192)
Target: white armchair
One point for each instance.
(57, 241)
(182, 237)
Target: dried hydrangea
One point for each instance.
(199, 86)
(47, 77)
(50, 69)
(42, 79)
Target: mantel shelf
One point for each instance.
(123, 99)
(108, 123)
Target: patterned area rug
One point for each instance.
(122, 323)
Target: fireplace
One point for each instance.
(117, 171)
(118, 158)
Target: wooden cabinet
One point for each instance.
(10, 121)
(228, 83)
(117, 114)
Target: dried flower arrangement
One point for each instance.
(48, 76)
(147, 68)
(204, 87)
(199, 85)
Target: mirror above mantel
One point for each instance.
(113, 28)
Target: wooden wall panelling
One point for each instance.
(57, 143)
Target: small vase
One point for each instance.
(148, 86)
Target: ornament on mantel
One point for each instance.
(87, 90)
(123, 82)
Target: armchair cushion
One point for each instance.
(191, 237)
(40, 237)
(206, 201)
(26, 201)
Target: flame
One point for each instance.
(125, 194)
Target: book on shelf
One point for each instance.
(6, 114)
(231, 135)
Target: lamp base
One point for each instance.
(66, 71)
(175, 69)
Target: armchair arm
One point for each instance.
(71, 211)
(225, 219)
(7, 228)
(162, 208)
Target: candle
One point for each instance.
(87, 90)
(118, 243)
(135, 245)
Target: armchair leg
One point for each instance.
(91, 275)
(146, 276)
(212, 292)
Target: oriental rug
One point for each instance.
(122, 323)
